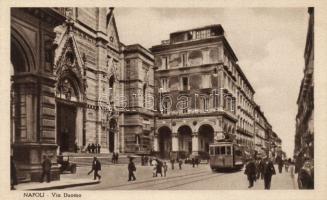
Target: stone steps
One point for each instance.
(85, 159)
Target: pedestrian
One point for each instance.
(150, 161)
(116, 157)
(46, 169)
(197, 161)
(250, 171)
(13, 174)
(92, 148)
(172, 161)
(113, 158)
(146, 159)
(287, 164)
(98, 148)
(291, 166)
(142, 160)
(159, 168)
(193, 162)
(180, 162)
(268, 171)
(96, 167)
(165, 168)
(260, 168)
(131, 170)
(88, 148)
(279, 161)
(75, 147)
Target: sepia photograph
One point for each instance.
(169, 101)
(123, 98)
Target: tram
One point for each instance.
(225, 155)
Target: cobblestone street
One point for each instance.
(114, 177)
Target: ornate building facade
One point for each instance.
(304, 136)
(74, 83)
(33, 104)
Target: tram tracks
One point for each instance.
(167, 183)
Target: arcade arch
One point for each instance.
(165, 141)
(206, 137)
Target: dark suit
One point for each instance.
(250, 171)
(46, 170)
(13, 174)
(131, 169)
(268, 171)
(96, 167)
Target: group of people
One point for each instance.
(159, 166)
(260, 169)
(178, 160)
(114, 158)
(93, 148)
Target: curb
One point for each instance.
(66, 186)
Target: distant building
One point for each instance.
(304, 136)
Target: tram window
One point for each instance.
(222, 150)
(212, 150)
(217, 152)
(238, 153)
(228, 150)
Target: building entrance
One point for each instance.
(66, 127)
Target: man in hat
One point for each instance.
(250, 171)
(131, 169)
(96, 167)
(46, 169)
(268, 171)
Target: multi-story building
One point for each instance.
(245, 112)
(138, 123)
(260, 131)
(84, 86)
(33, 127)
(89, 89)
(203, 92)
(304, 143)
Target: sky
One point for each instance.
(269, 44)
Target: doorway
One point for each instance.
(66, 125)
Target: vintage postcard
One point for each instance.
(202, 101)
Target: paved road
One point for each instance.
(198, 178)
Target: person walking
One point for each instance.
(172, 161)
(197, 161)
(287, 164)
(88, 148)
(260, 168)
(131, 170)
(96, 167)
(279, 161)
(193, 162)
(98, 148)
(116, 157)
(46, 169)
(250, 171)
(180, 162)
(92, 148)
(13, 174)
(113, 158)
(165, 168)
(268, 171)
(159, 168)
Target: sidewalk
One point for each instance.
(63, 183)
(282, 181)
